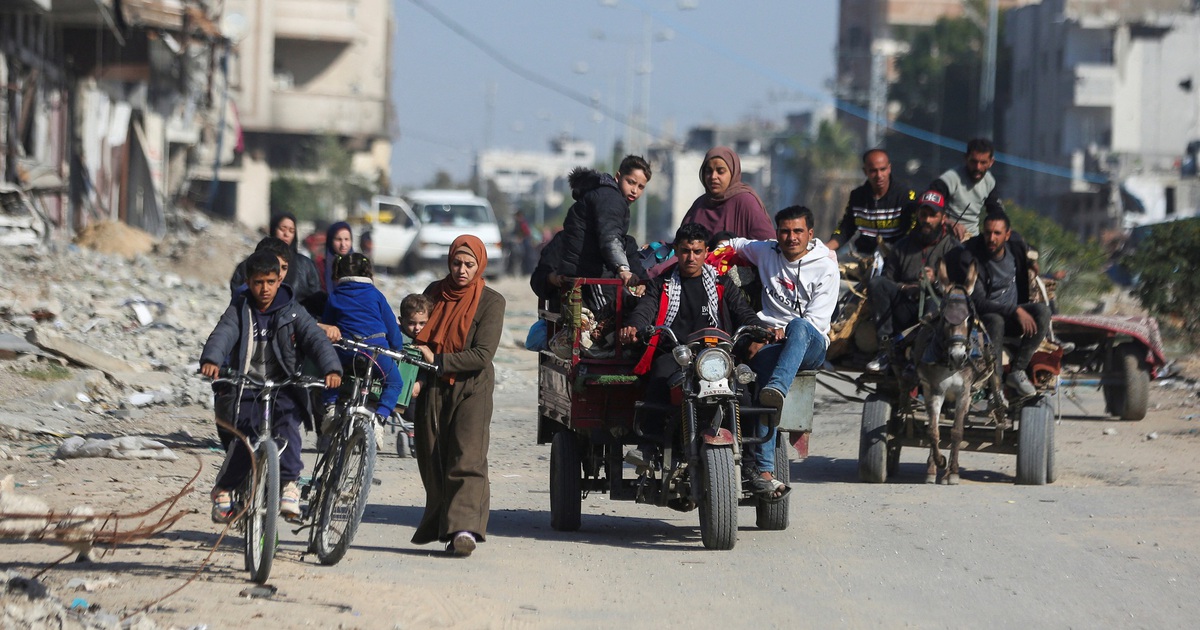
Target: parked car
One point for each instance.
(444, 215)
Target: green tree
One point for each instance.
(1165, 264)
(292, 194)
(1061, 252)
(937, 90)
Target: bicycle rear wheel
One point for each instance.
(344, 496)
(262, 513)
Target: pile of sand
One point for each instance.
(108, 237)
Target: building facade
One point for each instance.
(306, 71)
(1104, 97)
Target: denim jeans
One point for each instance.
(803, 348)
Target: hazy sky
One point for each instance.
(711, 61)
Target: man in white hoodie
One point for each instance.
(800, 286)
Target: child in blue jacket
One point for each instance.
(361, 312)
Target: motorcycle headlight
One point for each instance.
(714, 364)
(682, 354)
(744, 374)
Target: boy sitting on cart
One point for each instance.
(800, 285)
(686, 298)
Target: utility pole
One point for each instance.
(987, 82)
(877, 96)
(647, 68)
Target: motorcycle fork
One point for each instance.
(691, 443)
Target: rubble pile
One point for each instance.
(28, 603)
(136, 324)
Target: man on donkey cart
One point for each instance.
(1001, 294)
(686, 298)
(895, 296)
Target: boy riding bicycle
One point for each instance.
(263, 333)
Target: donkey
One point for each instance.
(946, 371)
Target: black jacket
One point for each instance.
(735, 310)
(550, 259)
(865, 217)
(959, 260)
(910, 255)
(595, 227)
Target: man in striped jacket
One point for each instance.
(881, 207)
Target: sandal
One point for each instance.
(222, 507)
(770, 490)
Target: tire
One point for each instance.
(1129, 399)
(1051, 447)
(403, 448)
(872, 440)
(262, 514)
(1033, 443)
(719, 501)
(345, 494)
(774, 516)
(566, 497)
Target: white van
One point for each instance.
(445, 215)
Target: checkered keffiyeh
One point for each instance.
(674, 285)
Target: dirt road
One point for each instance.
(1112, 543)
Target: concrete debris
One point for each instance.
(90, 586)
(78, 352)
(128, 447)
(28, 603)
(75, 529)
(1110, 431)
(12, 345)
(137, 320)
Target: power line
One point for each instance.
(851, 108)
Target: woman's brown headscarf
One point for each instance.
(453, 306)
(736, 187)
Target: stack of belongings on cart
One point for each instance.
(853, 329)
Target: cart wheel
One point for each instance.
(1128, 399)
(872, 441)
(1034, 437)
(1051, 470)
(718, 506)
(774, 516)
(566, 498)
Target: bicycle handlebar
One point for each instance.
(350, 344)
(233, 377)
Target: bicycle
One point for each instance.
(256, 499)
(342, 476)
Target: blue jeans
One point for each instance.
(803, 348)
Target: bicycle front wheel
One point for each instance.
(262, 513)
(344, 497)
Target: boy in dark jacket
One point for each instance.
(593, 234)
(362, 313)
(262, 333)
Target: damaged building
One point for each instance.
(106, 106)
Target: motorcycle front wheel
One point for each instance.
(719, 502)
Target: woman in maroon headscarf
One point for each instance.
(454, 410)
(728, 205)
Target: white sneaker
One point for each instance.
(289, 500)
(462, 545)
(380, 434)
(1019, 381)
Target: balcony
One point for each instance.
(348, 115)
(318, 20)
(1094, 85)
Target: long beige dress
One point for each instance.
(454, 428)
